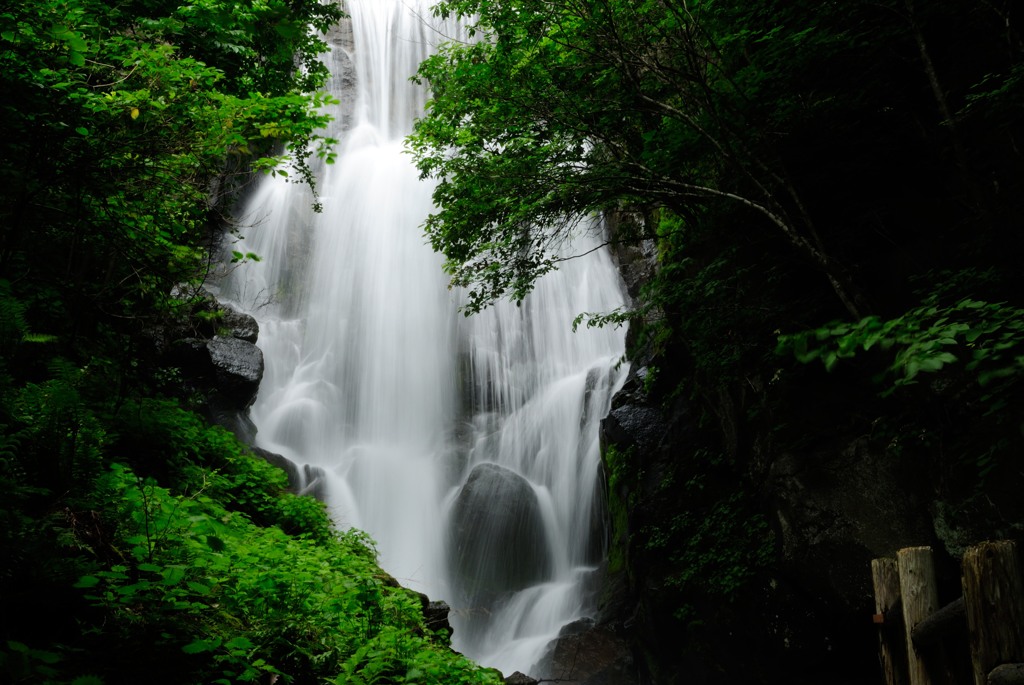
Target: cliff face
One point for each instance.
(745, 513)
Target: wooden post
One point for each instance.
(889, 616)
(994, 600)
(948, 620)
(920, 597)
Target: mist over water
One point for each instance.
(466, 447)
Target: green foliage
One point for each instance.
(226, 579)
(563, 109)
(986, 338)
(161, 438)
(27, 664)
(394, 656)
(13, 325)
(621, 478)
(718, 550)
(243, 601)
(716, 544)
(194, 564)
(126, 124)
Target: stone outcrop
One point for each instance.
(237, 368)
(214, 346)
(588, 654)
(435, 615)
(238, 324)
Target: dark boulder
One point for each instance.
(588, 654)
(634, 426)
(435, 615)
(497, 541)
(238, 324)
(238, 369)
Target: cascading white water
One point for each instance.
(467, 447)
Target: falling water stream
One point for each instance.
(466, 447)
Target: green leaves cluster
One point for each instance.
(713, 549)
(237, 602)
(987, 338)
(129, 125)
(203, 570)
(560, 110)
(152, 546)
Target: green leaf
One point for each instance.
(19, 647)
(87, 582)
(87, 680)
(202, 645)
(239, 643)
(173, 575)
(936, 362)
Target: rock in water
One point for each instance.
(498, 543)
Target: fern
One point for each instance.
(10, 443)
(38, 338)
(87, 680)
(13, 326)
(65, 372)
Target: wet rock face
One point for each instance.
(637, 260)
(497, 541)
(238, 368)
(588, 654)
(435, 616)
(239, 324)
(214, 347)
(633, 425)
(206, 317)
(838, 511)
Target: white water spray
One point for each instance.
(467, 448)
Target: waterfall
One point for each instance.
(466, 447)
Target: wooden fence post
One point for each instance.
(994, 600)
(920, 598)
(889, 616)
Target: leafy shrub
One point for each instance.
(241, 600)
(987, 338)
